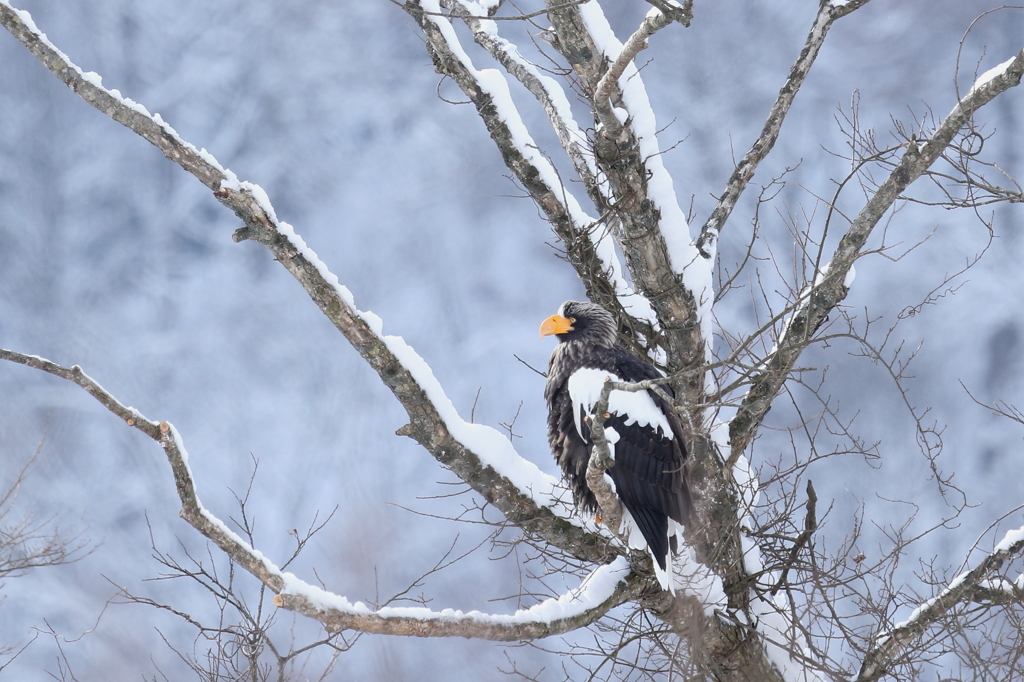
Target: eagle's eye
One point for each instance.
(572, 320)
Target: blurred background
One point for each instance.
(113, 258)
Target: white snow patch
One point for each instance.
(613, 437)
(991, 73)
(595, 589)
(999, 584)
(1011, 538)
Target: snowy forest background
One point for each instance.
(114, 259)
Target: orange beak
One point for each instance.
(556, 324)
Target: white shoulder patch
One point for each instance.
(585, 387)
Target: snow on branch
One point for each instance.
(963, 589)
(489, 91)
(832, 284)
(589, 245)
(605, 588)
(652, 23)
(650, 226)
(481, 456)
(89, 86)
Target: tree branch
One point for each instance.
(962, 590)
(652, 23)
(829, 288)
(744, 171)
(606, 588)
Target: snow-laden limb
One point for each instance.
(648, 223)
(832, 286)
(604, 589)
(489, 88)
(707, 242)
(167, 436)
(548, 92)
(654, 21)
(969, 587)
(482, 457)
(589, 247)
(640, 120)
(607, 587)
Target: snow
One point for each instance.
(992, 73)
(593, 591)
(999, 584)
(1011, 538)
(695, 579)
(585, 386)
(637, 305)
(94, 78)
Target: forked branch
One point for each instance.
(603, 590)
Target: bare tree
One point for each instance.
(766, 593)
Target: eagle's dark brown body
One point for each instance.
(649, 472)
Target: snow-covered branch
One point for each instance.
(604, 589)
(831, 287)
(588, 244)
(482, 457)
(651, 228)
(652, 23)
(963, 589)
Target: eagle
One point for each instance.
(644, 432)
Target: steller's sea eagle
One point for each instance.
(644, 433)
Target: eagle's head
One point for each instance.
(581, 322)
